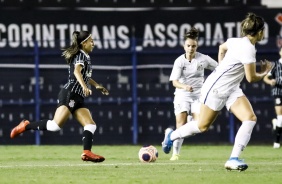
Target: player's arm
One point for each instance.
(78, 76)
(93, 83)
(268, 80)
(99, 87)
(252, 75)
(221, 51)
(179, 85)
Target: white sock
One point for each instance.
(177, 146)
(52, 126)
(189, 129)
(90, 127)
(242, 138)
(279, 121)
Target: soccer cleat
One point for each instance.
(274, 122)
(19, 129)
(276, 145)
(235, 164)
(87, 155)
(175, 157)
(167, 143)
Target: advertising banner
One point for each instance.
(113, 28)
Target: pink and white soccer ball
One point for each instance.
(148, 154)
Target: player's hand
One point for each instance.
(265, 66)
(272, 82)
(188, 88)
(103, 90)
(86, 91)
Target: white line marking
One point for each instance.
(89, 164)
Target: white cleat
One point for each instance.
(167, 143)
(174, 157)
(276, 145)
(235, 164)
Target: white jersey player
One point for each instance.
(236, 59)
(187, 77)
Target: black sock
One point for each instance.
(278, 134)
(87, 140)
(41, 125)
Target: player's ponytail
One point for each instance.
(251, 25)
(77, 39)
(193, 34)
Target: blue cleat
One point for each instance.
(235, 164)
(167, 143)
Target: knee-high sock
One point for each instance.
(177, 146)
(44, 124)
(278, 130)
(189, 129)
(88, 136)
(242, 138)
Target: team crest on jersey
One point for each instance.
(200, 67)
(71, 103)
(215, 91)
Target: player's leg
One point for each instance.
(181, 119)
(209, 110)
(61, 115)
(206, 118)
(194, 107)
(243, 110)
(278, 129)
(83, 116)
(181, 110)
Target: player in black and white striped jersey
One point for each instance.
(71, 96)
(274, 79)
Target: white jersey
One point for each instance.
(226, 78)
(192, 74)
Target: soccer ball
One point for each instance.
(148, 154)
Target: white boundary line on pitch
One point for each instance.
(127, 164)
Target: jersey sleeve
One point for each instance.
(212, 64)
(242, 50)
(248, 55)
(176, 70)
(79, 59)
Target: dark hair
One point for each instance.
(77, 39)
(252, 24)
(193, 34)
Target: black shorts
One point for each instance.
(72, 100)
(278, 100)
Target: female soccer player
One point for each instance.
(187, 77)
(222, 88)
(71, 96)
(274, 79)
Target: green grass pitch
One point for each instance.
(198, 164)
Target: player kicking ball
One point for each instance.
(222, 88)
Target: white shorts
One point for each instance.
(184, 106)
(216, 102)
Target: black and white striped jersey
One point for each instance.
(276, 74)
(81, 58)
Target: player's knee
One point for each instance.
(179, 124)
(252, 117)
(203, 128)
(90, 127)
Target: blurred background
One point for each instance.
(137, 42)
